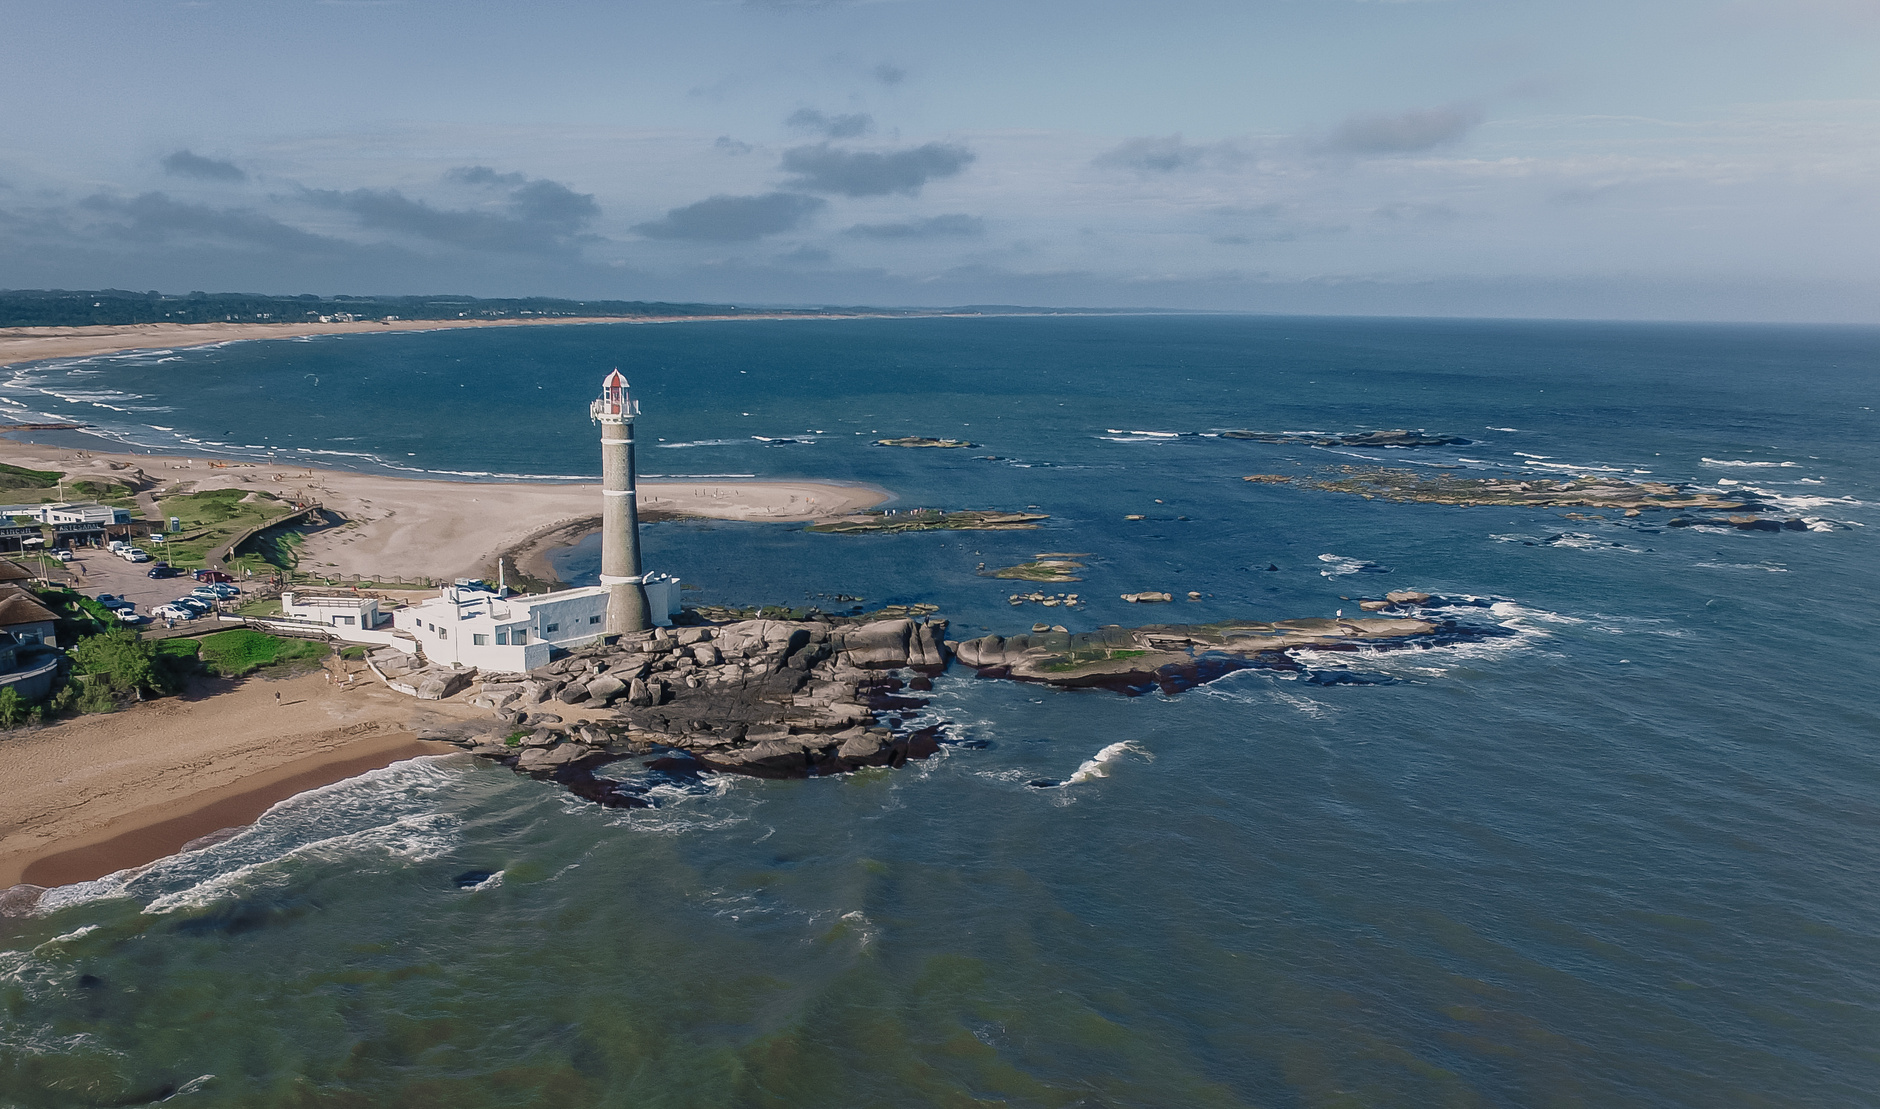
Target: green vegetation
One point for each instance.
(355, 653)
(16, 477)
(77, 614)
(214, 517)
(1084, 656)
(514, 739)
(120, 663)
(12, 709)
(241, 651)
(180, 649)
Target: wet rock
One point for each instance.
(1406, 597)
(1149, 598)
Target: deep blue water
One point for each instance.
(1625, 855)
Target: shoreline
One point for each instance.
(146, 836)
(92, 795)
(35, 344)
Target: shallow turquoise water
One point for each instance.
(1625, 855)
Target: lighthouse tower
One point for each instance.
(627, 610)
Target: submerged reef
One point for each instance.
(1456, 489)
(1397, 438)
(923, 441)
(1047, 567)
(930, 519)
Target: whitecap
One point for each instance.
(1098, 765)
(1745, 462)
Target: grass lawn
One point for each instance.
(213, 517)
(241, 651)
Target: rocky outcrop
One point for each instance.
(771, 698)
(1173, 657)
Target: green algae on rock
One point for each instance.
(1580, 492)
(930, 519)
(923, 441)
(1165, 654)
(1047, 567)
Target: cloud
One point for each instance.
(155, 218)
(805, 255)
(734, 219)
(825, 169)
(185, 164)
(1406, 133)
(482, 175)
(1154, 154)
(834, 127)
(934, 227)
(537, 217)
(732, 146)
(889, 74)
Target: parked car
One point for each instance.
(174, 612)
(212, 575)
(163, 570)
(116, 546)
(129, 616)
(112, 600)
(136, 554)
(205, 592)
(196, 603)
(224, 591)
(63, 555)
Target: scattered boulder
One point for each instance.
(439, 684)
(1150, 598)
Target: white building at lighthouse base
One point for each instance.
(471, 626)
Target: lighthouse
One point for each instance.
(627, 610)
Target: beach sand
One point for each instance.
(97, 794)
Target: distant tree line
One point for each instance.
(67, 308)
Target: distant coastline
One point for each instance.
(33, 344)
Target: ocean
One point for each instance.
(1624, 852)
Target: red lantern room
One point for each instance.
(615, 402)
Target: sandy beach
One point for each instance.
(96, 794)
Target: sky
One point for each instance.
(1657, 159)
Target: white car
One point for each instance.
(63, 555)
(136, 554)
(129, 616)
(173, 612)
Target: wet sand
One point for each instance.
(91, 795)
(151, 834)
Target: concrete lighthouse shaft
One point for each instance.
(627, 610)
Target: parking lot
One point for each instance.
(95, 570)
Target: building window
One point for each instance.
(502, 637)
(443, 633)
(551, 629)
(479, 639)
(346, 620)
(519, 637)
(594, 619)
